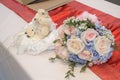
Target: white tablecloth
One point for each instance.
(28, 67)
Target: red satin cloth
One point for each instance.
(107, 71)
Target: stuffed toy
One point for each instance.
(42, 18)
(30, 33)
(42, 24)
(37, 33)
(37, 36)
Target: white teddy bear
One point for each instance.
(42, 18)
(38, 35)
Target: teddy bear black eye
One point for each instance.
(25, 32)
(32, 29)
(35, 19)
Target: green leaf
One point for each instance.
(72, 65)
(83, 68)
(66, 76)
(64, 39)
(58, 57)
(115, 46)
(69, 74)
(55, 41)
(52, 59)
(72, 74)
(90, 24)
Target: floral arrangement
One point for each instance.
(83, 40)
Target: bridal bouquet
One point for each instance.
(83, 40)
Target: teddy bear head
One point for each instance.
(36, 33)
(41, 14)
(29, 32)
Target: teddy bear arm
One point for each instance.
(44, 32)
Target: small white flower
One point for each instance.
(83, 26)
(90, 64)
(73, 20)
(102, 45)
(86, 55)
(75, 45)
(89, 35)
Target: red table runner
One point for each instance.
(107, 71)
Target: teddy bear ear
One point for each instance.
(41, 10)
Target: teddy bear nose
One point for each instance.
(43, 13)
(28, 36)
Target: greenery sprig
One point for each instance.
(70, 72)
(73, 22)
(52, 59)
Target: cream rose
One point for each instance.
(102, 45)
(75, 45)
(86, 55)
(89, 35)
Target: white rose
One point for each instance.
(89, 35)
(86, 55)
(102, 45)
(75, 45)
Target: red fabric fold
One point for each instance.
(104, 70)
(115, 57)
(107, 71)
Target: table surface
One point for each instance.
(28, 67)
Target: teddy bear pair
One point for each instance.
(37, 36)
(40, 27)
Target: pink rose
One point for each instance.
(61, 31)
(89, 35)
(86, 55)
(67, 31)
(64, 29)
